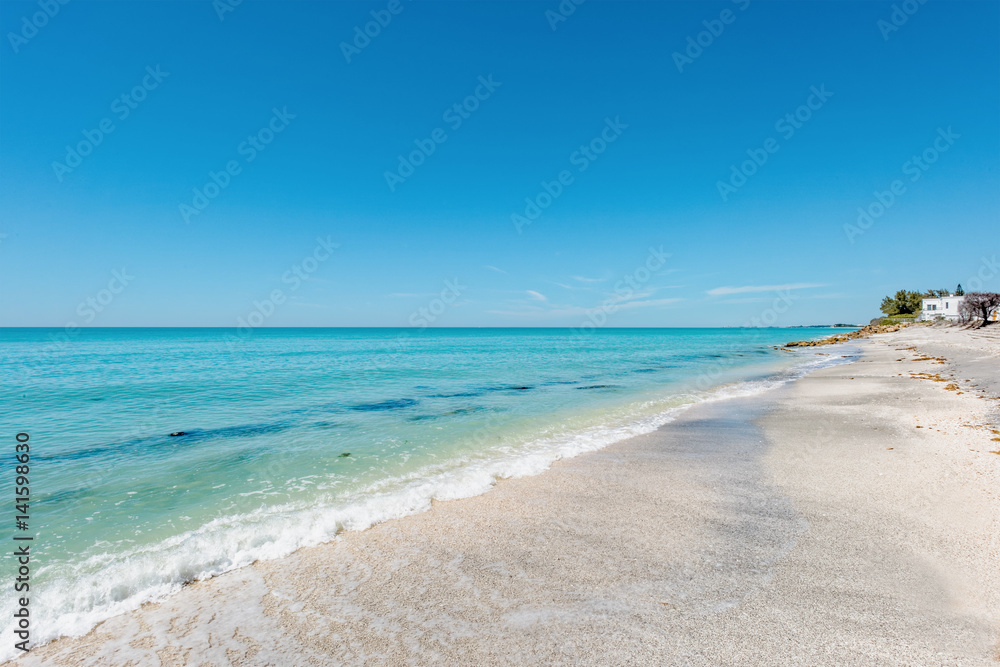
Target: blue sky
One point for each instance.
(597, 99)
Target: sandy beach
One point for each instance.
(851, 517)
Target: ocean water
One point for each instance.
(293, 435)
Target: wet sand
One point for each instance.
(814, 524)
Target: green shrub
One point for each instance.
(899, 319)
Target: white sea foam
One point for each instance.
(111, 583)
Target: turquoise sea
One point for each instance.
(290, 436)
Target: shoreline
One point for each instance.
(474, 478)
(134, 535)
(659, 547)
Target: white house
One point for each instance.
(946, 307)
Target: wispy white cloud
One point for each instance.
(719, 291)
(648, 303)
(584, 279)
(538, 296)
(537, 312)
(749, 299)
(310, 305)
(493, 268)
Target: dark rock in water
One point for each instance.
(345, 454)
(177, 433)
(598, 386)
(385, 405)
(464, 411)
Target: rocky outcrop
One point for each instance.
(863, 332)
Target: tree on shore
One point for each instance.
(959, 291)
(978, 306)
(903, 303)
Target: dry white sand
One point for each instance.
(814, 525)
